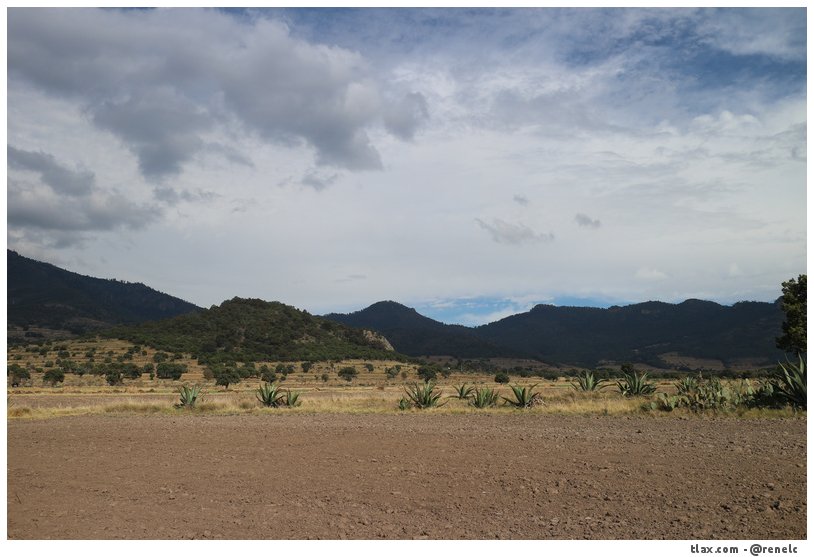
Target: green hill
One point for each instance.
(248, 330)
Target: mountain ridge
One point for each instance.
(590, 336)
(44, 295)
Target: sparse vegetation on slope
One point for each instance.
(242, 330)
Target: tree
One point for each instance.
(794, 327)
(502, 377)
(18, 374)
(170, 371)
(53, 376)
(227, 376)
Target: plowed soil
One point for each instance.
(438, 476)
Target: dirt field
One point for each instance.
(413, 475)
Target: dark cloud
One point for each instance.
(61, 179)
(162, 80)
(314, 179)
(172, 196)
(61, 203)
(504, 232)
(585, 221)
(160, 127)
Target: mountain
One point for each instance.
(43, 295)
(250, 330)
(416, 335)
(643, 332)
(654, 333)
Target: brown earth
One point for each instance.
(414, 475)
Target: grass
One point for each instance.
(566, 402)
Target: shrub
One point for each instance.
(248, 370)
(113, 377)
(483, 398)
(524, 397)
(391, 372)
(159, 357)
(633, 384)
(586, 381)
(502, 377)
(306, 366)
(463, 392)
(53, 376)
(189, 396)
(423, 396)
(369, 367)
(348, 373)
(267, 375)
(325, 377)
(427, 373)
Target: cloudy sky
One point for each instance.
(469, 163)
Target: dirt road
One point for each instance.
(406, 476)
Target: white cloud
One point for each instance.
(648, 273)
(612, 116)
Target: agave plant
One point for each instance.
(292, 399)
(686, 385)
(524, 397)
(587, 381)
(483, 398)
(423, 396)
(270, 394)
(463, 392)
(189, 396)
(790, 383)
(633, 384)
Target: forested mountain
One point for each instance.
(412, 333)
(585, 336)
(43, 295)
(655, 333)
(643, 332)
(247, 330)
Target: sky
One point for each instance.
(470, 163)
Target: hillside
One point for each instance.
(643, 332)
(43, 295)
(250, 330)
(416, 335)
(739, 335)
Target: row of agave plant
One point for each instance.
(428, 396)
(269, 395)
(786, 387)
